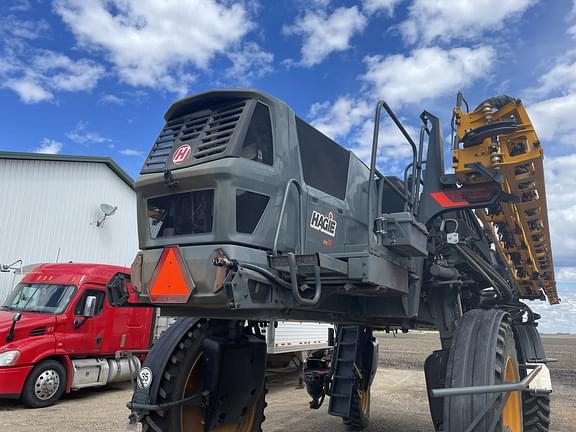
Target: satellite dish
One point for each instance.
(107, 209)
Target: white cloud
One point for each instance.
(554, 119)
(566, 274)
(49, 146)
(560, 318)
(63, 73)
(249, 63)
(423, 74)
(314, 3)
(152, 42)
(28, 90)
(35, 75)
(561, 78)
(375, 6)
(393, 149)
(324, 34)
(561, 199)
(11, 26)
(351, 121)
(426, 73)
(552, 102)
(80, 135)
(445, 20)
(131, 152)
(20, 6)
(337, 119)
(112, 99)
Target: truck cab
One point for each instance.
(59, 332)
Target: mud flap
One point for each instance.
(371, 362)
(529, 343)
(435, 372)
(233, 373)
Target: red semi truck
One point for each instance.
(58, 333)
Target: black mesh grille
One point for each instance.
(38, 331)
(207, 132)
(220, 128)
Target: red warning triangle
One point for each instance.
(172, 282)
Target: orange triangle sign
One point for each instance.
(172, 282)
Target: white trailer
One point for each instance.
(281, 337)
(297, 336)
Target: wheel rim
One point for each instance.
(193, 417)
(47, 384)
(512, 413)
(365, 401)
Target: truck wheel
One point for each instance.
(483, 352)
(360, 413)
(536, 408)
(182, 378)
(45, 384)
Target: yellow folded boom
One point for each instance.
(497, 142)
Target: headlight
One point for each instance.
(9, 358)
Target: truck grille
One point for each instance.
(207, 132)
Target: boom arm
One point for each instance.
(497, 143)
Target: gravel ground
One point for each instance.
(399, 400)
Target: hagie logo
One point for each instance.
(324, 224)
(181, 154)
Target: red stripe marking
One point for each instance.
(443, 199)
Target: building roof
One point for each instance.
(68, 158)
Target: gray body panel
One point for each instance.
(307, 211)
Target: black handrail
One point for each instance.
(374, 155)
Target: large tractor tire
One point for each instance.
(483, 352)
(182, 378)
(366, 363)
(360, 412)
(536, 407)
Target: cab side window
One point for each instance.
(258, 142)
(100, 295)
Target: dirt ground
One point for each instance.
(399, 400)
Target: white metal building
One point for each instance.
(50, 206)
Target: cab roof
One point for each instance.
(73, 273)
(198, 101)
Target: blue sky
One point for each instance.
(95, 76)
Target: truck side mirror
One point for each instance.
(89, 307)
(117, 289)
(15, 318)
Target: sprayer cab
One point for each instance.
(247, 211)
(236, 177)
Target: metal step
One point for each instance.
(344, 378)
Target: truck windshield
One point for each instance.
(45, 298)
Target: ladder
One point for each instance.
(497, 142)
(344, 367)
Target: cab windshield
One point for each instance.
(45, 298)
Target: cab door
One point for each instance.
(88, 330)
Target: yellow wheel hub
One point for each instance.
(364, 401)
(192, 418)
(512, 413)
